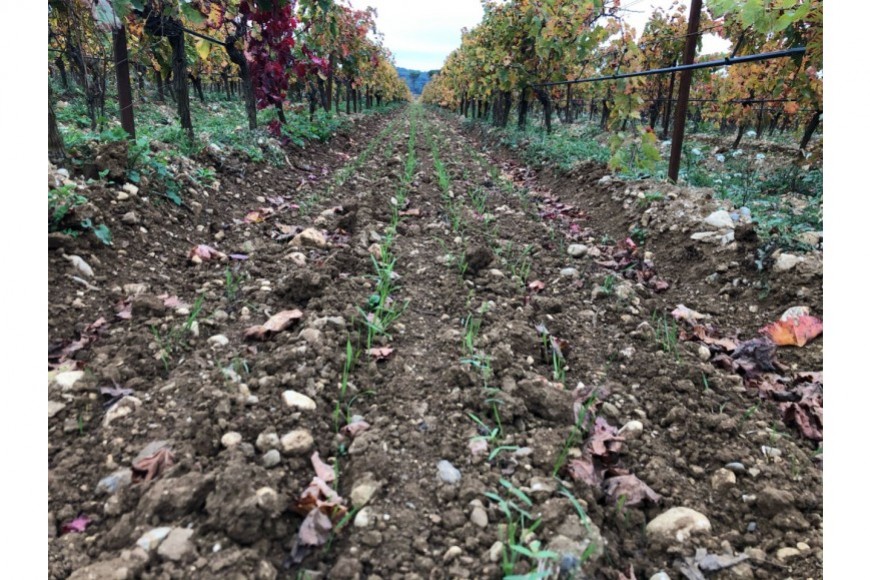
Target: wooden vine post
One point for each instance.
(683, 96)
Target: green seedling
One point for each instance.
(666, 334)
(578, 433)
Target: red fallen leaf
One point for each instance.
(604, 440)
(173, 302)
(276, 323)
(583, 469)
(708, 335)
(126, 311)
(633, 489)
(315, 528)
(793, 331)
(536, 286)
(153, 466)
(204, 253)
(380, 353)
(76, 526)
(322, 469)
(410, 212)
(355, 428)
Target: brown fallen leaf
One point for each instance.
(315, 528)
(604, 441)
(381, 353)
(710, 336)
(536, 286)
(583, 469)
(693, 317)
(793, 331)
(276, 323)
(632, 488)
(204, 253)
(630, 576)
(323, 470)
(153, 466)
(410, 212)
(807, 413)
(126, 311)
(355, 428)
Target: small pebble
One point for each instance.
(231, 439)
(447, 473)
(271, 458)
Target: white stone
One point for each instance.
(297, 401)
(130, 188)
(122, 408)
(267, 441)
(152, 538)
(297, 258)
(479, 518)
(271, 458)
(678, 524)
(786, 262)
(123, 196)
(447, 473)
(55, 407)
(784, 554)
(231, 439)
(631, 430)
(218, 340)
(68, 379)
(364, 518)
(577, 250)
(363, 492)
(177, 544)
(723, 479)
(569, 272)
(297, 442)
(310, 237)
(720, 219)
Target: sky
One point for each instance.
(421, 34)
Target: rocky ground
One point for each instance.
(574, 384)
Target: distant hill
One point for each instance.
(415, 79)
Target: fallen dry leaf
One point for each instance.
(583, 469)
(536, 286)
(315, 528)
(126, 311)
(76, 526)
(355, 428)
(410, 212)
(323, 470)
(693, 317)
(276, 323)
(793, 331)
(604, 441)
(632, 488)
(380, 353)
(630, 576)
(710, 336)
(806, 413)
(204, 253)
(153, 466)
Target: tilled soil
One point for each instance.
(489, 269)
